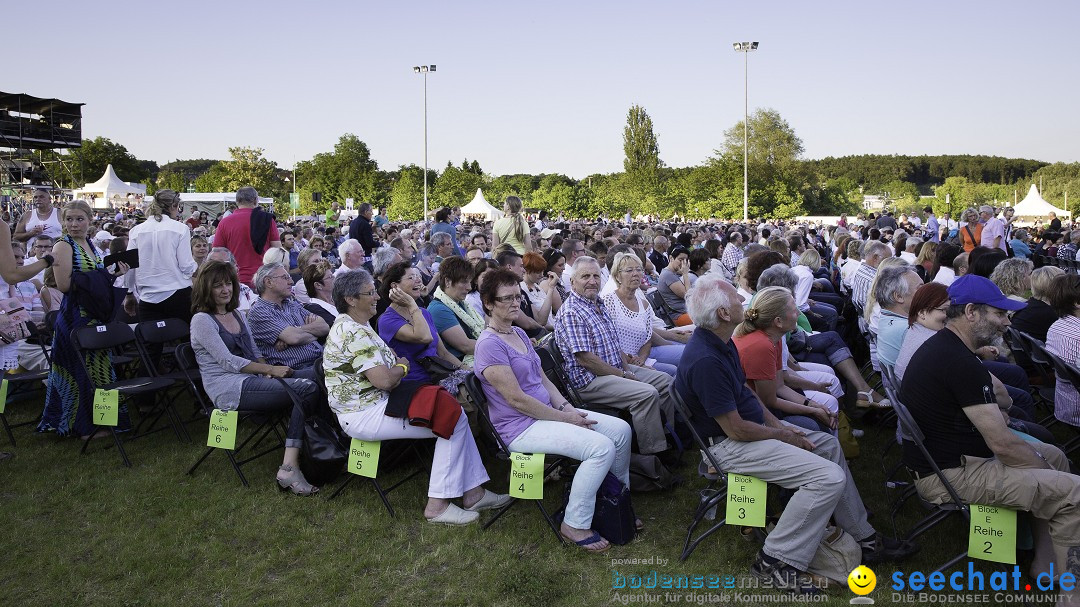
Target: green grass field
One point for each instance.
(84, 530)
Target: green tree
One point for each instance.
(170, 180)
(455, 187)
(641, 165)
(96, 154)
(407, 194)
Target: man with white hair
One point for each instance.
(895, 287)
(747, 439)
(284, 331)
(993, 232)
(351, 253)
(598, 369)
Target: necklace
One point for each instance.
(498, 330)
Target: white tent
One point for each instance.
(1033, 205)
(213, 203)
(110, 188)
(480, 206)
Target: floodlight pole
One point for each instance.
(745, 48)
(424, 69)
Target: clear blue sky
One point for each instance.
(544, 87)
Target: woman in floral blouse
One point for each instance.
(364, 382)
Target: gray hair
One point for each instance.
(876, 247)
(349, 284)
(705, 299)
(439, 239)
(986, 209)
(247, 195)
(363, 208)
(889, 284)
(382, 259)
(1010, 273)
(227, 252)
(263, 273)
(779, 275)
(348, 245)
(582, 261)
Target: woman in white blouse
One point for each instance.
(639, 336)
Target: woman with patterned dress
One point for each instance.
(69, 400)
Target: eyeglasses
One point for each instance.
(370, 293)
(632, 271)
(279, 277)
(510, 298)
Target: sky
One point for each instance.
(532, 87)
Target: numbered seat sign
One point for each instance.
(364, 457)
(106, 407)
(746, 500)
(992, 534)
(527, 476)
(222, 429)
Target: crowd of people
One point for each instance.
(756, 326)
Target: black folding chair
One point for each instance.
(660, 307)
(1036, 353)
(156, 341)
(264, 422)
(109, 338)
(938, 512)
(26, 381)
(476, 391)
(717, 484)
(1065, 372)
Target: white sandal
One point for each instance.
(866, 401)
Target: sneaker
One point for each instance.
(782, 576)
(881, 548)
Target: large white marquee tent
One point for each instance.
(1034, 206)
(480, 206)
(110, 188)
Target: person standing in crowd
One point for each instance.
(443, 225)
(288, 243)
(360, 230)
(333, 215)
(572, 249)
(970, 230)
(512, 228)
(42, 220)
(248, 232)
(162, 283)
(932, 232)
(69, 399)
(993, 231)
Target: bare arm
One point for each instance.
(62, 267)
(1009, 448)
(739, 429)
(502, 378)
(13, 274)
(445, 354)
(455, 336)
(21, 234)
(384, 377)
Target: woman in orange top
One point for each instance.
(972, 232)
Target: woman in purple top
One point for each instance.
(532, 417)
(408, 328)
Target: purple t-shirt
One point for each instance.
(389, 323)
(491, 350)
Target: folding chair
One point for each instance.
(660, 307)
(265, 422)
(385, 464)
(1065, 372)
(717, 485)
(156, 341)
(938, 512)
(1036, 353)
(25, 381)
(110, 338)
(554, 366)
(476, 391)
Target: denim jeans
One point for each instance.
(602, 448)
(828, 348)
(667, 357)
(822, 316)
(265, 394)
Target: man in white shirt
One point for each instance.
(162, 282)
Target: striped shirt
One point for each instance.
(1063, 339)
(267, 321)
(732, 256)
(585, 326)
(860, 284)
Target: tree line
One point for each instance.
(782, 183)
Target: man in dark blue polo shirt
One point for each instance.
(747, 439)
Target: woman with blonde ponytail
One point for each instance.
(772, 314)
(512, 229)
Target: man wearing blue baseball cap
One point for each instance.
(960, 408)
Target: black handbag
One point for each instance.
(437, 368)
(614, 516)
(325, 449)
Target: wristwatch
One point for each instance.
(561, 407)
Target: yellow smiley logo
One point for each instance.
(862, 580)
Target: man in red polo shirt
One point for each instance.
(235, 233)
